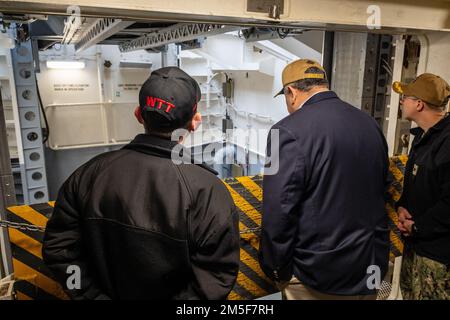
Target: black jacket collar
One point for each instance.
(158, 145)
(441, 125)
(321, 96)
(161, 147)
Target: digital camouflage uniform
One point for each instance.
(423, 278)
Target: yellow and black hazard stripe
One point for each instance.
(396, 172)
(33, 279)
(251, 281)
(36, 281)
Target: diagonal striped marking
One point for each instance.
(396, 242)
(250, 238)
(234, 296)
(258, 180)
(38, 236)
(400, 161)
(396, 163)
(31, 261)
(51, 203)
(403, 159)
(392, 216)
(250, 285)
(22, 296)
(24, 272)
(252, 249)
(43, 208)
(29, 214)
(251, 186)
(248, 196)
(249, 223)
(32, 291)
(393, 249)
(253, 265)
(394, 192)
(243, 204)
(25, 242)
(398, 177)
(396, 185)
(391, 213)
(245, 294)
(253, 241)
(394, 238)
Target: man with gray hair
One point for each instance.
(324, 227)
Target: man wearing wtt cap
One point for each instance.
(324, 226)
(424, 207)
(139, 226)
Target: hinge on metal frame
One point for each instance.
(274, 12)
(274, 8)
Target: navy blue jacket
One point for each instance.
(324, 217)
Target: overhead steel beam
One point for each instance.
(100, 30)
(173, 34)
(397, 16)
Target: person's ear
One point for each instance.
(294, 94)
(288, 90)
(138, 115)
(420, 105)
(196, 121)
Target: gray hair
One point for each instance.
(308, 84)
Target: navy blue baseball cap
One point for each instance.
(168, 99)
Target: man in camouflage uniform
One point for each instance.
(424, 207)
(423, 278)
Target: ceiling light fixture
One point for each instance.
(59, 64)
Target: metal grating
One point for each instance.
(100, 30)
(176, 33)
(385, 291)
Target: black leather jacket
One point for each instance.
(141, 227)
